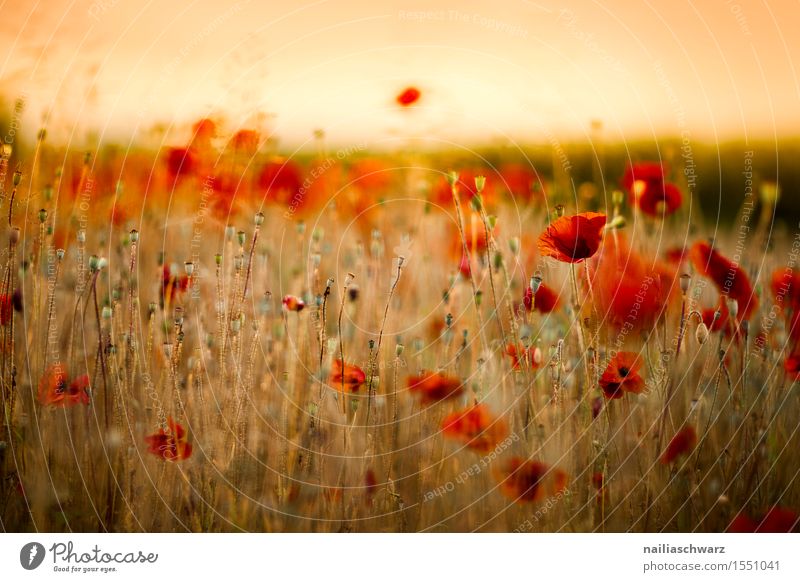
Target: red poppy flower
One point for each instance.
(474, 236)
(522, 182)
(476, 428)
(245, 141)
(776, 520)
(644, 173)
(676, 255)
(202, 133)
(530, 481)
(281, 181)
(353, 377)
(433, 387)
(408, 96)
(181, 162)
(648, 189)
(172, 285)
(172, 444)
(56, 390)
(292, 303)
(729, 278)
(683, 443)
(622, 375)
(547, 299)
(792, 364)
(516, 355)
(572, 239)
(629, 291)
(785, 286)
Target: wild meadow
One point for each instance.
(216, 336)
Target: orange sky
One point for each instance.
(507, 70)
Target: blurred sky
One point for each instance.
(489, 71)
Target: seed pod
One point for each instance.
(701, 333)
(686, 279)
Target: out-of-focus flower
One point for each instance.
(530, 481)
(293, 303)
(476, 428)
(729, 277)
(776, 520)
(408, 96)
(547, 299)
(433, 387)
(351, 376)
(56, 390)
(172, 444)
(683, 443)
(648, 189)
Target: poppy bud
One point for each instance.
(617, 197)
(452, 178)
(686, 279)
(134, 236)
(240, 236)
(536, 281)
(480, 183)
(701, 333)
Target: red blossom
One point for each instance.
(648, 189)
(433, 387)
(408, 96)
(572, 239)
(476, 428)
(57, 391)
(683, 443)
(171, 444)
(776, 520)
(530, 481)
(353, 377)
(622, 375)
(547, 299)
(293, 303)
(729, 277)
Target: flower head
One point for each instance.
(648, 189)
(408, 96)
(55, 388)
(682, 443)
(352, 377)
(171, 444)
(433, 387)
(572, 239)
(530, 481)
(622, 375)
(729, 277)
(476, 428)
(293, 303)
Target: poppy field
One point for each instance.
(215, 335)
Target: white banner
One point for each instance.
(386, 557)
